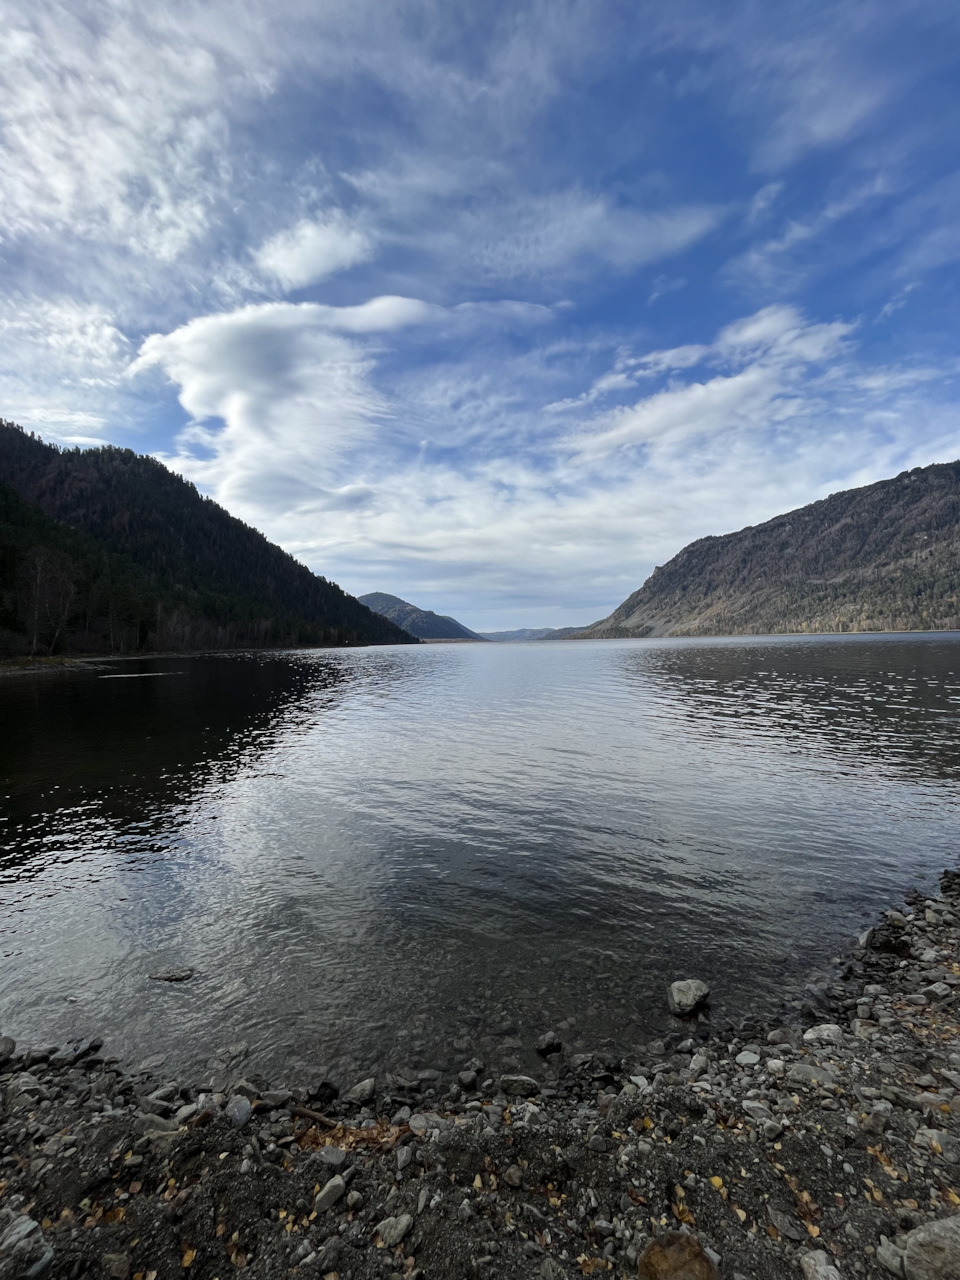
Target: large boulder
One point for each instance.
(932, 1252)
(687, 996)
(675, 1256)
(24, 1252)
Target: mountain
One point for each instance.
(419, 622)
(105, 550)
(530, 633)
(882, 558)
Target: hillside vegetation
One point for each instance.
(882, 558)
(423, 623)
(105, 550)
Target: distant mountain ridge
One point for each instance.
(105, 550)
(522, 634)
(422, 623)
(885, 557)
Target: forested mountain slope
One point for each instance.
(105, 549)
(882, 558)
(423, 623)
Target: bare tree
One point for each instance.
(48, 590)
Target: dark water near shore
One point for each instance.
(394, 856)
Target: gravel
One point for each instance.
(822, 1143)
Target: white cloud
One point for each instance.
(290, 387)
(451, 487)
(547, 234)
(313, 250)
(63, 368)
(771, 353)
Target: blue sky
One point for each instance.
(494, 307)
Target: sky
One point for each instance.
(493, 307)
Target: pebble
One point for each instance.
(238, 1110)
(392, 1230)
(549, 1043)
(819, 1266)
(362, 1093)
(826, 1033)
(519, 1086)
(329, 1195)
(700, 1125)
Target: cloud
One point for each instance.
(290, 387)
(664, 285)
(770, 352)
(63, 368)
(451, 485)
(550, 234)
(427, 183)
(311, 251)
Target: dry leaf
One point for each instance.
(188, 1257)
(683, 1214)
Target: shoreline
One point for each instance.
(818, 1149)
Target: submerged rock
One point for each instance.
(549, 1043)
(173, 975)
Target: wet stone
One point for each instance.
(362, 1092)
(238, 1110)
(687, 996)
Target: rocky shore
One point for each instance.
(820, 1145)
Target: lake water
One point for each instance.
(410, 856)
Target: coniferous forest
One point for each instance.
(106, 551)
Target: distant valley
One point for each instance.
(422, 623)
(531, 633)
(885, 557)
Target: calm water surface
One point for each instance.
(407, 856)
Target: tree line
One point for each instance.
(105, 550)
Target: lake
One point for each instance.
(410, 856)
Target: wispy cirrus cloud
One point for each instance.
(526, 296)
(458, 490)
